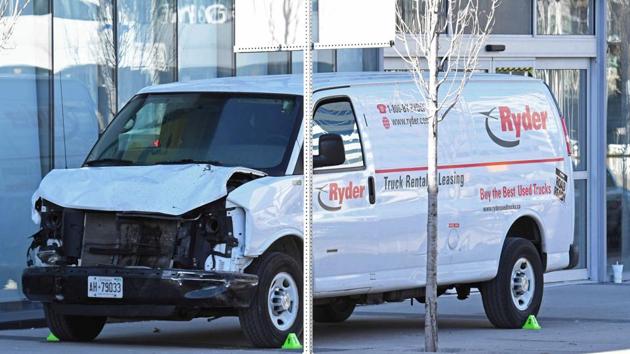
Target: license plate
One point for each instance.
(105, 287)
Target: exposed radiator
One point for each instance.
(111, 239)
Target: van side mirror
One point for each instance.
(331, 151)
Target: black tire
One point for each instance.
(73, 328)
(497, 295)
(338, 310)
(256, 322)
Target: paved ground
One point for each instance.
(575, 318)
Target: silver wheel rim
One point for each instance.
(523, 284)
(283, 301)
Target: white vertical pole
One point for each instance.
(308, 181)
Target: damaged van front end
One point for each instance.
(147, 227)
(86, 247)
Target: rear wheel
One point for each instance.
(516, 292)
(276, 309)
(73, 328)
(337, 310)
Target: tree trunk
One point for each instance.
(430, 305)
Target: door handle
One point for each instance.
(371, 190)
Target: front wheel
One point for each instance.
(276, 309)
(73, 328)
(516, 292)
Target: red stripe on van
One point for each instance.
(471, 165)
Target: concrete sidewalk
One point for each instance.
(575, 318)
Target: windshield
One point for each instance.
(255, 131)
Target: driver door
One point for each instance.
(344, 237)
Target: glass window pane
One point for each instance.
(510, 17)
(146, 45)
(325, 61)
(206, 38)
(84, 90)
(411, 13)
(338, 118)
(25, 128)
(618, 134)
(565, 17)
(262, 63)
(579, 238)
(349, 60)
(223, 129)
(569, 88)
(406, 13)
(372, 59)
(353, 60)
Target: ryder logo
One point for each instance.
(331, 196)
(514, 124)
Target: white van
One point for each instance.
(190, 204)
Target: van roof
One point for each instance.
(292, 84)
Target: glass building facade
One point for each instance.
(538, 36)
(618, 132)
(581, 49)
(70, 65)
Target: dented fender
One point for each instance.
(273, 209)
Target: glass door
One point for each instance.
(567, 79)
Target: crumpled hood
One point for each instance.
(164, 189)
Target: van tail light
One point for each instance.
(566, 135)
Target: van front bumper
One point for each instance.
(150, 293)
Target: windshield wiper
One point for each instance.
(188, 161)
(108, 162)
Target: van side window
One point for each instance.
(338, 118)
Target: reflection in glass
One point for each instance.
(565, 17)
(272, 63)
(618, 134)
(324, 61)
(579, 237)
(511, 17)
(206, 36)
(25, 145)
(84, 94)
(338, 118)
(569, 88)
(349, 60)
(407, 12)
(104, 51)
(146, 45)
(353, 60)
(250, 130)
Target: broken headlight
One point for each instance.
(46, 247)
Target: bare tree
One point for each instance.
(10, 11)
(464, 28)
